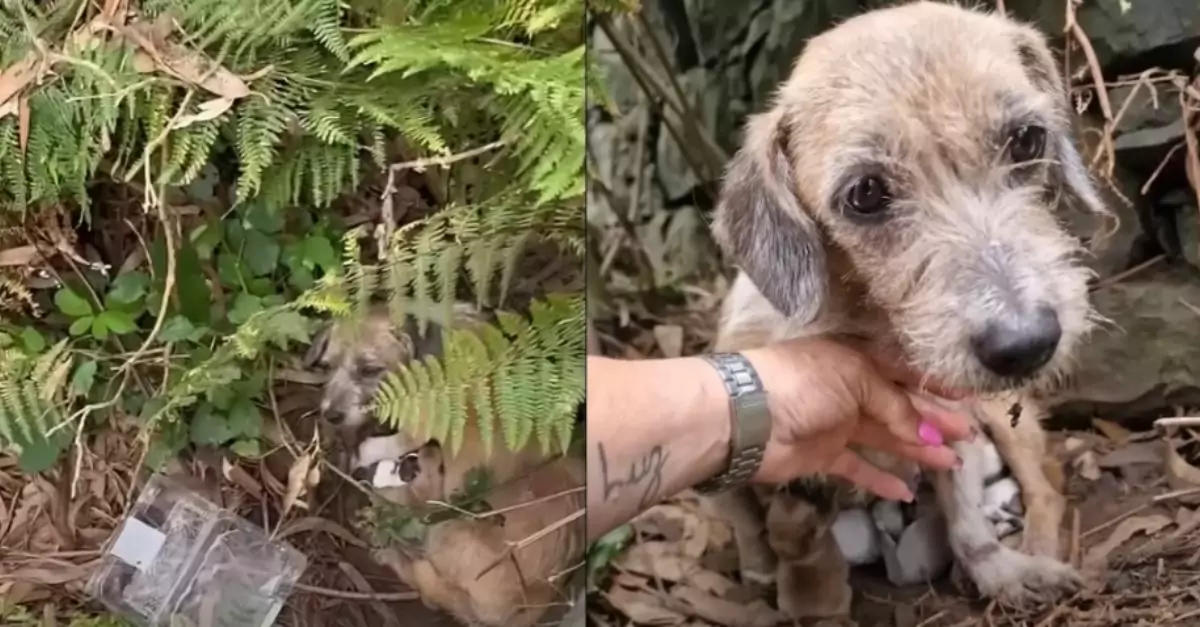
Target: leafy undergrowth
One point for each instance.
(189, 188)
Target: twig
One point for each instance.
(1089, 53)
(159, 202)
(359, 596)
(1125, 274)
(387, 212)
(1075, 549)
(513, 547)
(419, 165)
(1114, 521)
(1174, 495)
(1179, 421)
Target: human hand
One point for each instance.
(824, 396)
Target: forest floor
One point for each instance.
(1133, 514)
(53, 527)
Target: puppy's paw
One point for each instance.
(1018, 579)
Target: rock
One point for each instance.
(1148, 122)
(1130, 368)
(856, 537)
(1166, 29)
(922, 554)
(1150, 32)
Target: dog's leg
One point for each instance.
(999, 572)
(813, 576)
(1023, 450)
(744, 513)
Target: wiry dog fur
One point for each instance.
(448, 571)
(926, 98)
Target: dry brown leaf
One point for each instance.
(1097, 556)
(183, 63)
(722, 612)
(23, 122)
(1112, 430)
(711, 582)
(295, 482)
(656, 560)
(670, 339)
(19, 256)
(238, 475)
(18, 76)
(58, 575)
(642, 608)
(1133, 453)
(208, 110)
(114, 11)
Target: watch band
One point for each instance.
(750, 418)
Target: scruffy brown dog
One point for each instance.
(904, 191)
(496, 570)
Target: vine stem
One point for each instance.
(155, 199)
(387, 214)
(513, 547)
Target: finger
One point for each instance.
(873, 435)
(910, 418)
(950, 424)
(854, 469)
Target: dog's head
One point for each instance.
(917, 155)
(357, 354)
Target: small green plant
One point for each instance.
(391, 524)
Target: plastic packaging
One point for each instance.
(180, 560)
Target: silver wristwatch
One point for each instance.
(751, 422)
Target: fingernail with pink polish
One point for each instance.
(929, 434)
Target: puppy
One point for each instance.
(486, 570)
(905, 189)
(451, 570)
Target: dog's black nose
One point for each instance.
(363, 473)
(333, 416)
(1016, 346)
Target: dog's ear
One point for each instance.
(316, 349)
(1073, 175)
(761, 224)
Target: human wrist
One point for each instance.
(749, 422)
(711, 413)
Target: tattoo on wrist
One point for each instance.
(645, 473)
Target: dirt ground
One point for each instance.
(1133, 516)
(53, 528)
(1125, 516)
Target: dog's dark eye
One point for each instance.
(1027, 143)
(868, 196)
(369, 371)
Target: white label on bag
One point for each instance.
(138, 544)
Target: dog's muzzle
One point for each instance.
(390, 473)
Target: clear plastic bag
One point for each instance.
(180, 560)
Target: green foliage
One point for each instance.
(33, 388)
(601, 553)
(389, 524)
(269, 113)
(22, 616)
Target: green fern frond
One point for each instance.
(523, 375)
(32, 394)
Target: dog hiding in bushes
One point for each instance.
(503, 567)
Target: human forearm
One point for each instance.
(655, 427)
